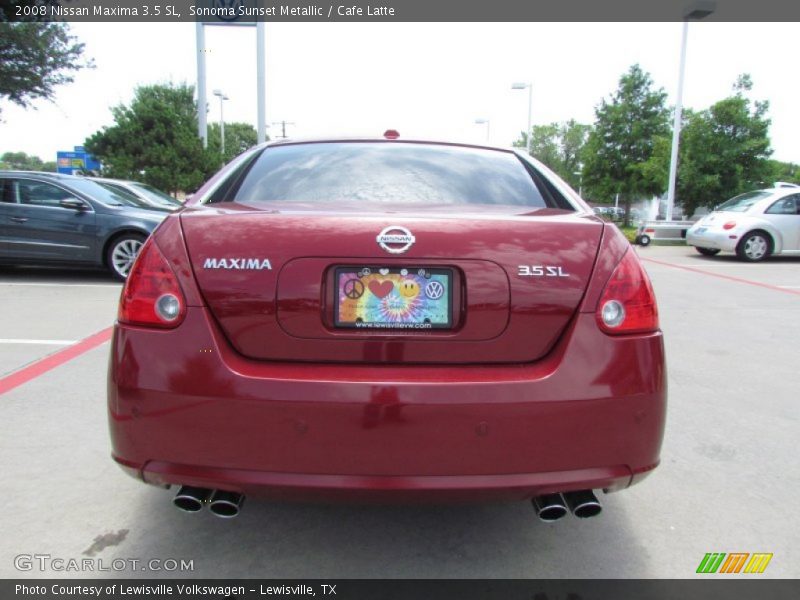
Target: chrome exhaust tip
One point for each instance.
(226, 504)
(191, 499)
(549, 507)
(583, 504)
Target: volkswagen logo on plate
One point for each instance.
(395, 239)
(434, 290)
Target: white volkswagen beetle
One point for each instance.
(754, 225)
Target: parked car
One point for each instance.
(62, 219)
(146, 193)
(612, 212)
(754, 225)
(445, 322)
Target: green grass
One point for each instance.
(629, 232)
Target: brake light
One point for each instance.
(152, 296)
(729, 225)
(628, 304)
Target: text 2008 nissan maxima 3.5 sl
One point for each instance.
(387, 320)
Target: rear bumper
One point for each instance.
(184, 408)
(396, 489)
(717, 240)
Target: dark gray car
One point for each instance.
(47, 218)
(146, 193)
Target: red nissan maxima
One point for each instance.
(391, 320)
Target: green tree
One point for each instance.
(783, 171)
(574, 136)
(20, 161)
(155, 140)
(238, 138)
(35, 58)
(559, 146)
(724, 150)
(544, 144)
(25, 162)
(620, 149)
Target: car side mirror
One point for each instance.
(73, 203)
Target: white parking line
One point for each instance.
(89, 285)
(790, 287)
(705, 265)
(40, 342)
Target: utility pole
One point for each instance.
(283, 125)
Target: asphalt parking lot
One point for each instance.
(728, 481)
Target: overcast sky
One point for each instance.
(426, 80)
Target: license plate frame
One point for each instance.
(404, 307)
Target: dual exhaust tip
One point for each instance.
(221, 503)
(551, 507)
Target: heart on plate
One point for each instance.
(381, 289)
(384, 271)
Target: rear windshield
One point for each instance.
(742, 202)
(107, 195)
(382, 175)
(155, 194)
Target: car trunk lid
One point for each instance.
(270, 280)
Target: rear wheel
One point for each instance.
(707, 251)
(644, 240)
(122, 252)
(755, 246)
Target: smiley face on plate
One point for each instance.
(409, 288)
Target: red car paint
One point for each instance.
(255, 391)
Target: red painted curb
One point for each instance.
(728, 277)
(43, 365)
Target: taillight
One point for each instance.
(729, 225)
(628, 304)
(152, 296)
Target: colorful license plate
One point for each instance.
(393, 298)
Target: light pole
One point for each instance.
(580, 182)
(694, 12)
(484, 122)
(222, 97)
(529, 86)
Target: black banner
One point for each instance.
(248, 11)
(402, 589)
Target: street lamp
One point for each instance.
(222, 97)
(694, 12)
(529, 87)
(580, 182)
(484, 122)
